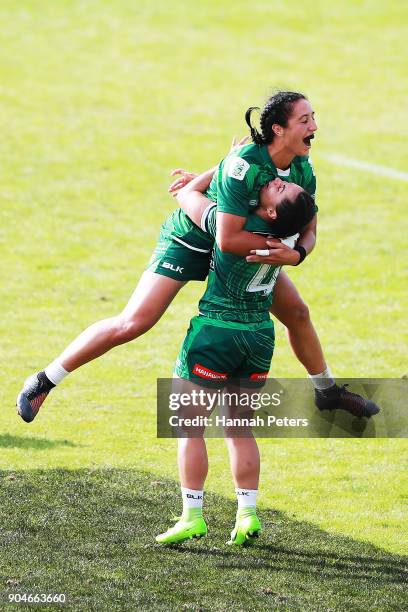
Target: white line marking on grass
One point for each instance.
(362, 165)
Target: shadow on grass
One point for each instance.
(9, 441)
(335, 565)
(90, 534)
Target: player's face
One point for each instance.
(275, 192)
(297, 135)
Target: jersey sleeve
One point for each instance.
(209, 220)
(233, 186)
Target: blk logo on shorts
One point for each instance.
(170, 266)
(204, 372)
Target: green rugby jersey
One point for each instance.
(237, 290)
(236, 184)
(235, 188)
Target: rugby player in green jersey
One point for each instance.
(183, 254)
(231, 340)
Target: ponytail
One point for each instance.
(257, 138)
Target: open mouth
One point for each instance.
(308, 139)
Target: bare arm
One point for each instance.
(191, 198)
(232, 238)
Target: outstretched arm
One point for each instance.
(191, 197)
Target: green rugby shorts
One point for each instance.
(179, 260)
(215, 352)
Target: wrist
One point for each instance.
(302, 253)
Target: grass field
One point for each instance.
(99, 101)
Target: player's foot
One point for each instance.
(338, 397)
(183, 530)
(35, 390)
(247, 528)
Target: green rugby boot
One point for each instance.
(187, 527)
(247, 527)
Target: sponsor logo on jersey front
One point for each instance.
(237, 168)
(204, 372)
(169, 266)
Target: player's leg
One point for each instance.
(171, 266)
(258, 343)
(245, 466)
(149, 301)
(242, 446)
(290, 309)
(206, 352)
(193, 469)
(244, 461)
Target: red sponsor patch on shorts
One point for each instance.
(259, 376)
(204, 372)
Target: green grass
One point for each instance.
(84, 533)
(99, 101)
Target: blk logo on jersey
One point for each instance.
(170, 266)
(204, 372)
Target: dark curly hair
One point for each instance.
(278, 109)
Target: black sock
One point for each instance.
(42, 377)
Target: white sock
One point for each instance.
(55, 372)
(324, 380)
(192, 500)
(246, 497)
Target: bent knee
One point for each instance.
(296, 314)
(126, 329)
(301, 312)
